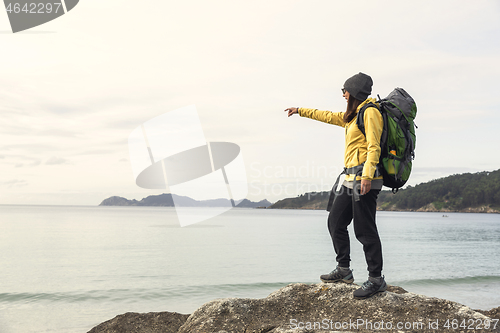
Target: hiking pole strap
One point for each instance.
(333, 192)
(356, 171)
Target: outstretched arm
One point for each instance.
(334, 118)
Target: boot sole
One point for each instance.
(368, 296)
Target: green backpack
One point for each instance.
(398, 136)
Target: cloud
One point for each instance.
(97, 152)
(27, 147)
(14, 183)
(20, 160)
(56, 132)
(56, 160)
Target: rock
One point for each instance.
(303, 308)
(325, 308)
(153, 322)
(493, 313)
(396, 289)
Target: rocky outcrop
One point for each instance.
(153, 322)
(480, 209)
(318, 308)
(493, 313)
(432, 208)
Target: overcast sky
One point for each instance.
(72, 90)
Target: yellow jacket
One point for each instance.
(358, 148)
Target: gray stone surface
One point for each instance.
(153, 322)
(314, 308)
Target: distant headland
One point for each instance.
(166, 200)
(467, 192)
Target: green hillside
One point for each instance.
(468, 192)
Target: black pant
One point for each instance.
(344, 209)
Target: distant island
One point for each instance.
(468, 192)
(166, 200)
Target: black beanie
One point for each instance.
(359, 86)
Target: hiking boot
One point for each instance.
(370, 288)
(339, 274)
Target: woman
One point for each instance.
(362, 151)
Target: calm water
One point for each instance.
(67, 269)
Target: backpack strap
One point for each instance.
(360, 120)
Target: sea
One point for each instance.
(66, 269)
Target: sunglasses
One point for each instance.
(343, 91)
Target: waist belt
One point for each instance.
(356, 171)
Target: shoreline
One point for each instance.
(469, 210)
